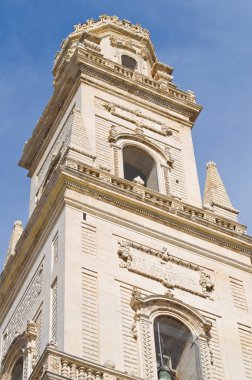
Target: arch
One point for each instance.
(138, 165)
(156, 305)
(193, 356)
(129, 138)
(17, 371)
(128, 62)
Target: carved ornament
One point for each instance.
(165, 268)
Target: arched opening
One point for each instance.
(17, 372)
(177, 355)
(129, 62)
(137, 163)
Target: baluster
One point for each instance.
(64, 369)
(81, 373)
(98, 376)
(89, 375)
(73, 371)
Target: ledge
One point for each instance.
(54, 364)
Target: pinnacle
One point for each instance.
(215, 194)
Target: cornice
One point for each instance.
(164, 209)
(94, 183)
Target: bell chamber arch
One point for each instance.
(138, 165)
(172, 338)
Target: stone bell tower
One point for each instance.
(121, 273)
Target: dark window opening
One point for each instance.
(176, 350)
(137, 163)
(129, 62)
(17, 372)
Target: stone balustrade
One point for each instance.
(54, 364)
(165, 202)
(135, 76)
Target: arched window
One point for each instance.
(17, 372)
(176, 350)
(137, 164)
(129, 62)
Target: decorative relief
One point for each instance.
(105, 19)
(171, 271)
(147, 348)
(21, 313)
(205, 356)
(136, 117)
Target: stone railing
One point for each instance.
(54, 364)
(170, 88)
(168, 203)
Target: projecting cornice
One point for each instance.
(122, 194)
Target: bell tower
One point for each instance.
(121, 272)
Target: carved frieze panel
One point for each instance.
(137, 117)
(171, 271)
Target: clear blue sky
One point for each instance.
(207, 42)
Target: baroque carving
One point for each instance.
(171, 271)
(147, 348)
(121, 112)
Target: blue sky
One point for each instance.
(207, 42)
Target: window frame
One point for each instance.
(148, 153)
(147, 309)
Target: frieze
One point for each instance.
(134, 116)
(163, 267)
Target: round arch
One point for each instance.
(192, 348)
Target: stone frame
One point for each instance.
(147, 309)
(139, 140)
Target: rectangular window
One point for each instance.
(55, 249)
(54, 310)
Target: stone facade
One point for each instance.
(103, 256)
